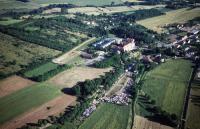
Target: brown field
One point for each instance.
(12, 84)
(70, 77)
(143, 123)
(56, 105)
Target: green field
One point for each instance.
(108, 116)
(167, 84)
(15, 54)
(26, 99)
(193, 117)
(176, 16)
(41, 70)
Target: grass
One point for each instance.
(41, 69)
(9, 21)
(108, 116)
(176, 16)
(167, 84)
(25, 99)
(15, 54)
(193, 117)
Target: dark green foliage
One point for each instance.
(134, 31)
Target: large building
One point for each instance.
(104, 43)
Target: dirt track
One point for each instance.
(12, 84)
(56, 105)
(143, 123)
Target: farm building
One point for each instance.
(104, 43)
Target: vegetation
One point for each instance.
(166, 85)
(108, 116)
(17, 54)
(40, 70)
(48, 73)
(25, 99)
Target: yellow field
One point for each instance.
(176, 16)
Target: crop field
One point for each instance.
(176, 16)
(108, 116)
(70, 77)
(193, 117)
(56, 105)
(25, 99)
(166, 84)
(78, 2)
(15, 54)
(12, 84)
(40, 70)
(109, 10)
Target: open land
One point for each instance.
(16, 53)
(108, 116)
(109, 10)
(12, 84)
(26, 99)
(70, 77)
(193, 113)
(176, 16)
(144, 123)
(56, 106)
(167, 85)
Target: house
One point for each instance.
(86, 55)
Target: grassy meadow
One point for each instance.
(108, 116)
(166, 84)
(193, 117)
(175, 16)
(25, 99)
(15, 54)
(40, 70)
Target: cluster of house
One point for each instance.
(116, 44)
(121, 99)
(157, 58)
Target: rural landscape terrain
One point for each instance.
(99, 64)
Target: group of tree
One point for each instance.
(140, 33)
(88, 87)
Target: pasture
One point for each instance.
(193, 117)
(15, 54)
(40, 70)
(108, 116)
(12, 84)
(26, 99)
(175, 16)
(70, 77)
(166, 84)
